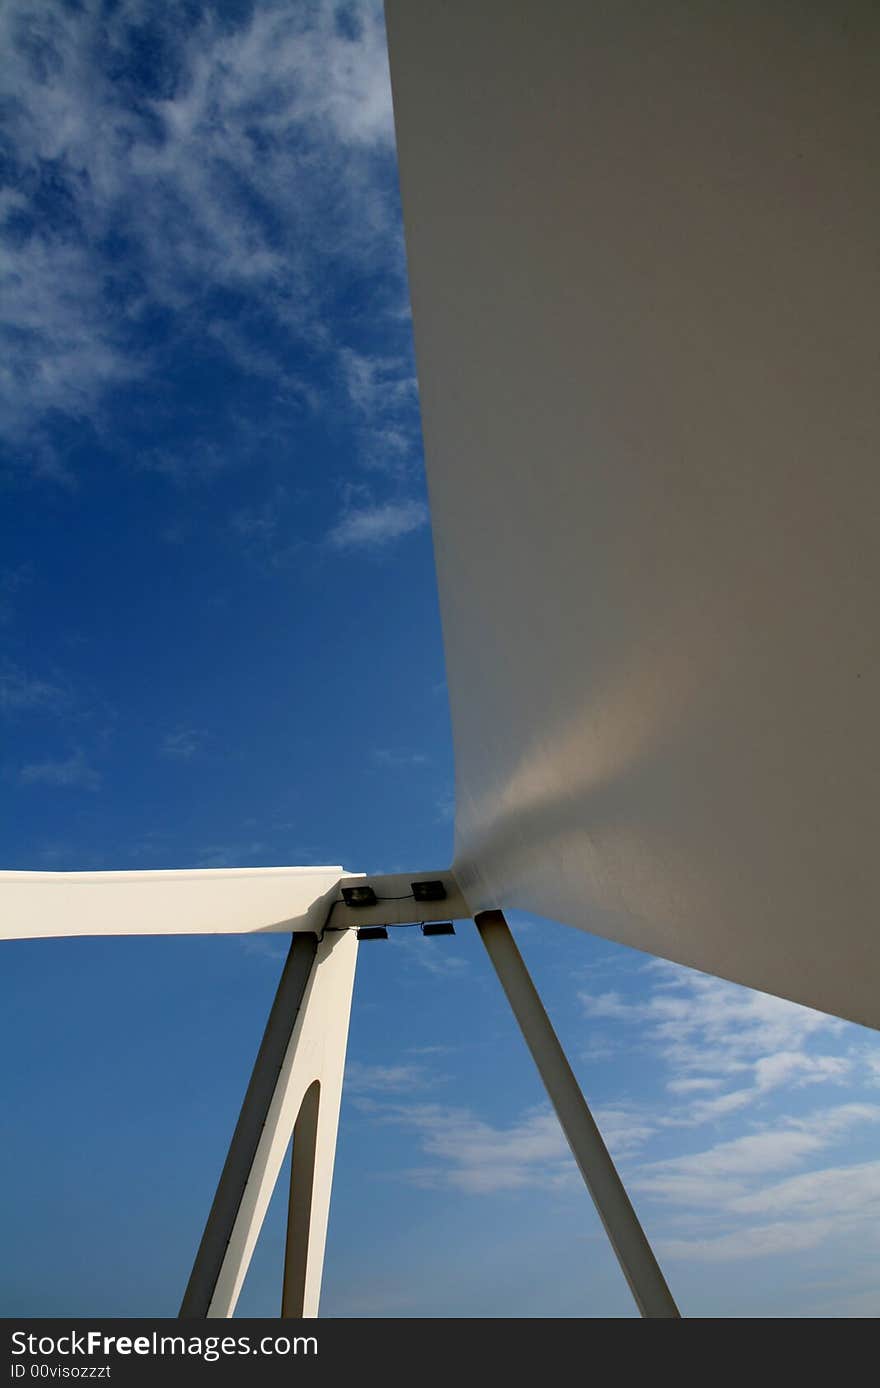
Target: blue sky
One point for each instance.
(221, 646)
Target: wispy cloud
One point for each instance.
(387, 1079)
(724, 1189)
(701, 1020)
(434, 959)
(468, 1153)
(398, 759)
(11, 582)
(73, 772)
(743, 1063)
(23, 693)
(177, 174)
(258, 525)
(746, 1154)
(726, 1047)
(775, 1148)
(377, 525)
(237, 854)
(471, 1155)
(434, 955)
(184, 743)
(263, 946)
(384, 392)
(372, 380)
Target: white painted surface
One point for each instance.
(316, 1052)
(199, 902)
(643, 251)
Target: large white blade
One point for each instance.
(642, 243)
(212, 901)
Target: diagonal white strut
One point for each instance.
(634, 1253)
(296, 1085)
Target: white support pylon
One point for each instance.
(625, 1233)
(315, 1053)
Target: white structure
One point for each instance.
(303, 1102)
(296, 1085)
(643, 254)
(215, 901)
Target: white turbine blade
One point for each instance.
(642, 244)
(211, 901)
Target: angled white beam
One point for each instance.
(628, 1239)
(215, 901)
(248, 1133)
(192, 901)
(305, 1042)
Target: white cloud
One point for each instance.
(775, 1185)
(469, 1154)
(435, 959)
(704, 1023)
(726, 1185)
(775, 1149)
(716, 1036)
(183, 744)
(384, 392)
(245, 159)
(398, 759)
(11, 582)
(625, 1127)
(786, 1066)
(706, 1110)
(22, 693)
(473, 1156)
(230, 854)
(373, 380)
(870, 1056)
(71, 772)
(743, 1062)
(760, 1241)
(438, 955)
(835, 1205)
(385, 1079)
(693, 1086)
(853, 1190)
(377, 525)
